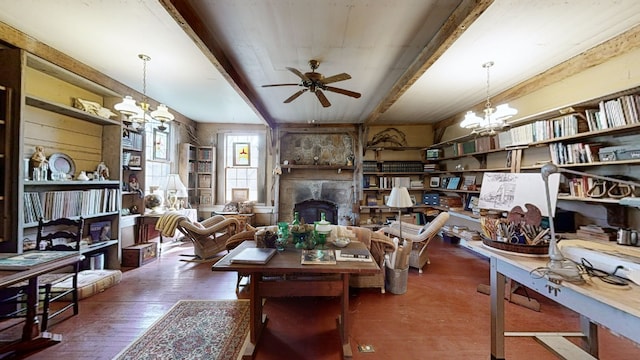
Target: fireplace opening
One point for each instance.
(310, 210)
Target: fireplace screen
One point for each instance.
(310, 210)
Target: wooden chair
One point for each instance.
(57, 235)
(209, 237)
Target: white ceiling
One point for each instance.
(375, 41)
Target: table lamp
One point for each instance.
(557, 262)
(175, 190)
(399, 198)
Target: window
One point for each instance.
(242, 159)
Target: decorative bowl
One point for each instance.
(341, 242)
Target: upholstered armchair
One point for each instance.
(208, 236)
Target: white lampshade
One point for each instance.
(399, 198)
(127, 107)
(162, 113)
(174, 184)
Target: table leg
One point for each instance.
(256, 319)
(31, 329)
(343, 322)
(497, 311)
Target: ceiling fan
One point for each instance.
(316, 82)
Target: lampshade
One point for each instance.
(175, 185)
(399, 198)
(141, 113)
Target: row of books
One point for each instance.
(541, 130)
(204, 167)
(385, 182)
(58, 204)
(204, 181)
(578, 153)
(579, 186)
(481, 144)
(430, 167)
(132, 140)
(615, 112)
(370, 166)
(205, 154)
(402, 166)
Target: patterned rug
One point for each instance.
(194, 329)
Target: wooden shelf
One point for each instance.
(98, 246)
(88, 216)
(318, 167)
(69, 111)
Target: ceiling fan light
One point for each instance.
(162, 113)
(127, 107)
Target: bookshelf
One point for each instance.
(44, 106)
(205, 178)
(598, 136)
(5, 155)
(187, 170)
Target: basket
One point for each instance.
(517, 248)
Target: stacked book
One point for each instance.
(593, 232)
(362, 255)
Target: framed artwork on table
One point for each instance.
(472, 203)
(160, 143)
(239, 194)
(241, 154)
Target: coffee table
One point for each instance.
(287, 265)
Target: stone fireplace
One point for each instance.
(319, 178)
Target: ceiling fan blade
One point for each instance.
(343, 91)
(323, 99)
(335, 78)
(299, 73)
(295, 96)
(280, 85)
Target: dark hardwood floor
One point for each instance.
(441, 316)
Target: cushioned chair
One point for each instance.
(57, 235)
(420, 235)
(208, 236)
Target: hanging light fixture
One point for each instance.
(494, 118)
(140, 114)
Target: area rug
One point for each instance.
(194, 329)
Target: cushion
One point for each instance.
(246, 207)
(91, 282)
(231, 207)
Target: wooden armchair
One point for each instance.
(209, 237)
(420, 237)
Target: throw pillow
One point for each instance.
(246, 207)
(231, 207)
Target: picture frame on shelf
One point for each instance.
(469, 182)
(240, 194)
(135, 160)
(472, 203)
(434, 182)
(453, 183)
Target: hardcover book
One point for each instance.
(254, 256)
(353, 255)
(30, 259)
(318, 257)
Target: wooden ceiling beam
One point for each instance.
(193, 26)
(597, 55)
(462, 17)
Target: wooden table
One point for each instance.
(287, 263)
(31, 330)
(615, 309)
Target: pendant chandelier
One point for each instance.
(494, 118)
(138, 115)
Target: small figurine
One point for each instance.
(38, 159)
(103, 171)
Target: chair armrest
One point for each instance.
(238, 238)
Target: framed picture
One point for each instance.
(100, 231)
(472, 203)
(239, 194)
(453, 184)
(469, 182)
(135, 160)
(160, 143)
(434, 182)
(241, 154)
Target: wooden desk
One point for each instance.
(30, 331)
(288, 262)
(617, 310)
